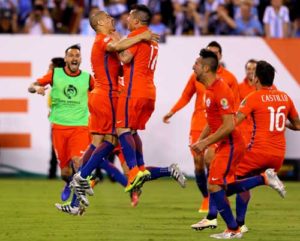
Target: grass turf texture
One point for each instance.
(165, 212)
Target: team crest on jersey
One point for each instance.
(70, 91)
(207, 102)
(224, 103)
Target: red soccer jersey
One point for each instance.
(230, 79)
(139, 73)
(105, 66)
(193, 87)
(219, 101)
(245, 88)
(269, 109)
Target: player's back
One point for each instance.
(105, 66)
(139, 73)
(269, 109)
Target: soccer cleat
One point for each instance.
(177, 174)
(66, 192)
(274, 182)
(134, 196)
(227, 234)
(204, 205)
(244, 229)
(81, 186)
(80, 193)
(205, 223)
(83, 183)
(138, 180)
(67, 208)
(146, 177)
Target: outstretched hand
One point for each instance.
(41, 90)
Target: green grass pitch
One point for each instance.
(165, 212)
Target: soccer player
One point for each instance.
(269, 109)
(221, 130)
(103, 100)
(225, 74)
(136, 101)
(198, 122)
(69, 110)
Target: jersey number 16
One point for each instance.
(277, 118)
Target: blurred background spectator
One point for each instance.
(157, 26)
(276, 20)
(39, 22)
(8, 21)
(246, 22)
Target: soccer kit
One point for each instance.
(246, 126)
(230, 79)
(219, 101)
(104, 97)
(137, 98)
(269, 108)
(198, 120)
(69, 112)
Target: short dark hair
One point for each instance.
(210, 59)
(75, 46)
(252, 61)
(265, 72)
(143, 13)
(58, 62)
(215, 44)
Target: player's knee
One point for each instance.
(112, 139)
(214, 188)
(120, 131)
(77, 162)
(199, 164)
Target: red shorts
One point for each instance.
(134, 113)
(102, 113)
(255, 163)
(69, 142)
(223, 166)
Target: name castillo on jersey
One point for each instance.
(274, 98)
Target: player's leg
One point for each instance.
(127, 119)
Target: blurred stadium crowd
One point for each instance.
(270, 18)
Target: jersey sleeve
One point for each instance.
(133, 49)
(46, 79)
(186, 95)
(225, 102)
(247, 104)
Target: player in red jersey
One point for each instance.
(268, 109)
(222, 131)
(219, 102)
(136, 101)
(259, 176)
(245, 88)
(198, 122)
(103, 100)
(224, 73)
